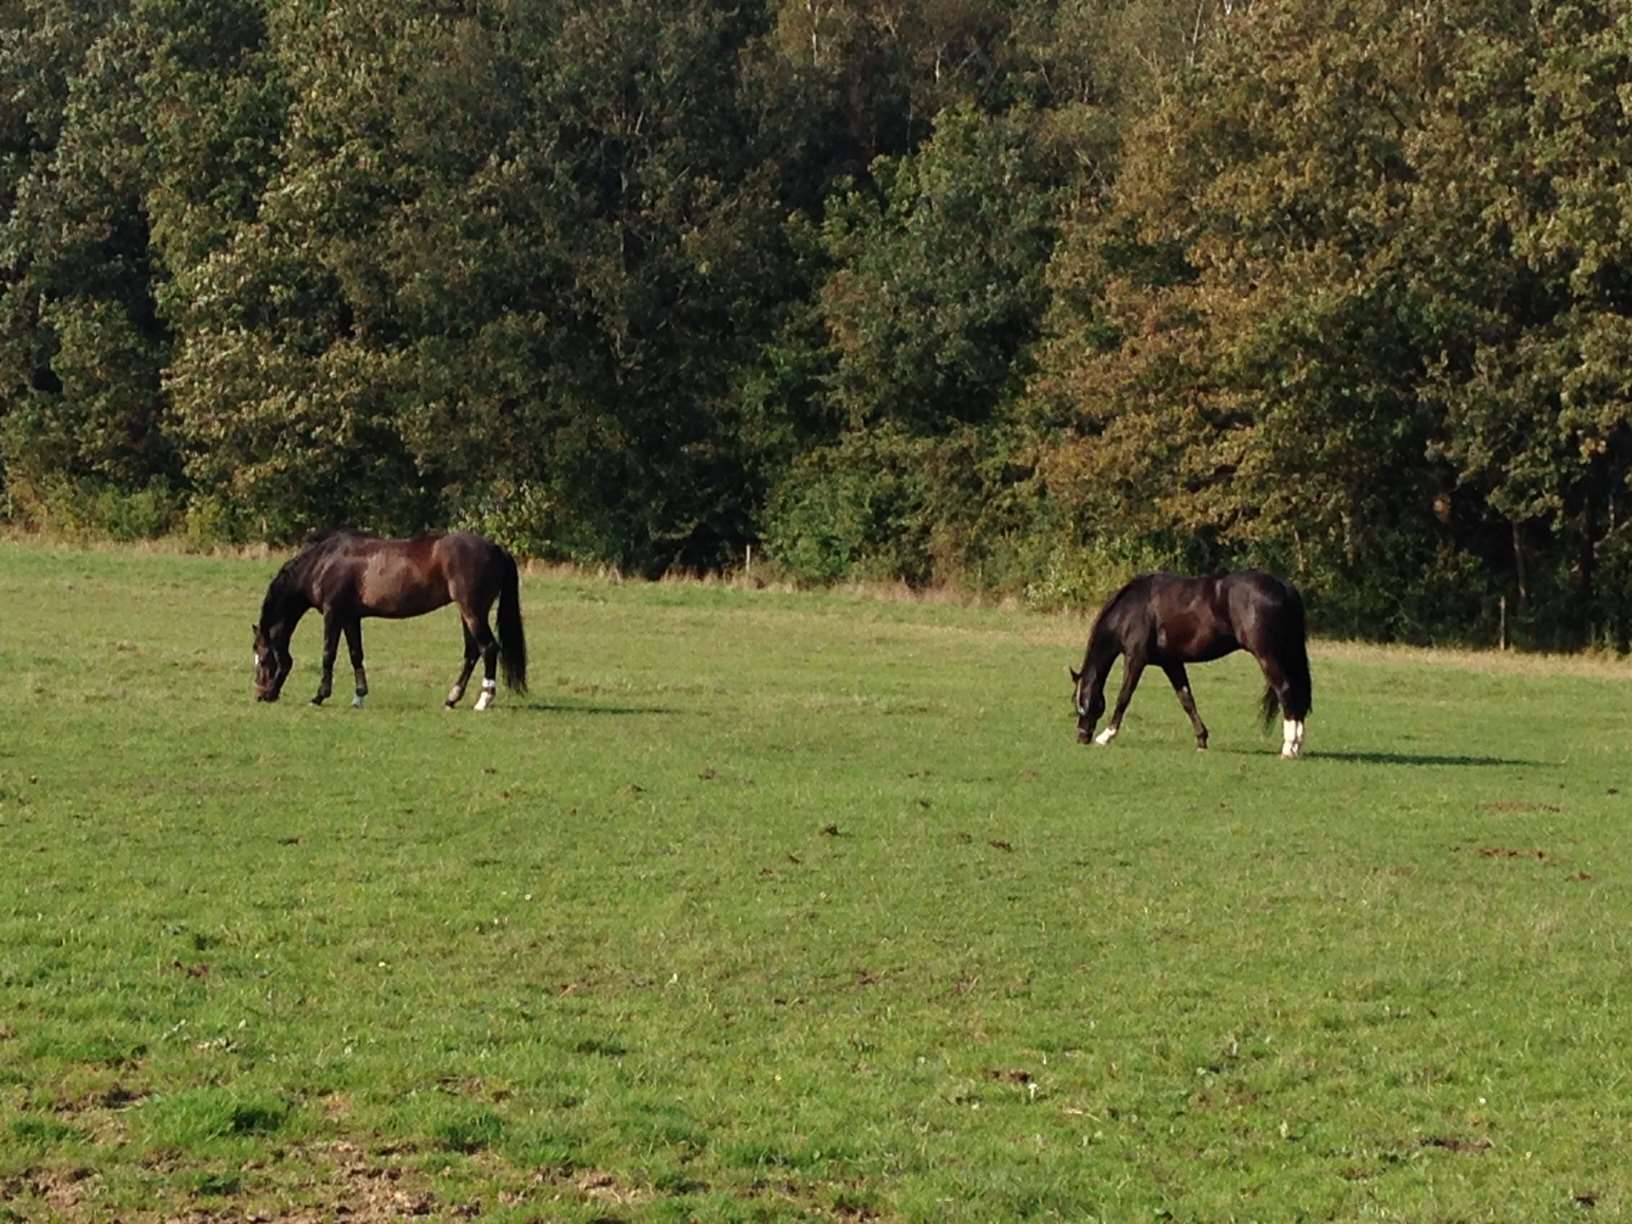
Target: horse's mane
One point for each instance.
(285, 584)
(1111, 605)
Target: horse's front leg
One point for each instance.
(332, 624)
(457, 693)
(1132, 666)
(354, 643)
(1181, 685)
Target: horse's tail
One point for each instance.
(1292, 640)
(512, 638)
(1271, 706)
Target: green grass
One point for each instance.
(778, 906)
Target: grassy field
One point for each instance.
(778, 906)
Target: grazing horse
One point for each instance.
(347, 575)
(1170, 620)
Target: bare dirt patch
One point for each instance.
(64, 1191)
(1009, 1077)
(363, 1187)
(586, 1185)
(599, 1187)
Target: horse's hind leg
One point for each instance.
(1281, 687)
(354, 644)
(1181, 685)
(457, 692)
(489, 646)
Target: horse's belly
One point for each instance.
(1193, 648)
(394, 591)
(1217, 649)
(396, 609)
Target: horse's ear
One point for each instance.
(1076, 676)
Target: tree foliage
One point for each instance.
(933, 289)
(1347, 307)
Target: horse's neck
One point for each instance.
(286, 603)
(1102, 651)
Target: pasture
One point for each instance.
(767, 905)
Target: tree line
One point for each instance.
(1023, 295)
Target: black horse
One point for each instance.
(1170, 620)
(347, 575)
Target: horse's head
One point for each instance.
(1090, 700)
(273, 663)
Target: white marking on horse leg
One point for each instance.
(1292, 738)
(357, 701)
(1106, 736)
(490, 690)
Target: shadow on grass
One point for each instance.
(566, 707)
(1409, 758)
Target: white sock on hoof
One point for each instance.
(1291, 738)
(489, 690)
(1105, 736)
(357, 702)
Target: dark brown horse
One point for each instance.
(1169, 620)
(347, 575)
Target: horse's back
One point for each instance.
(431, 551)
(1163, 615)
(1189, 621)
(1197, 618)
(398, 577)
(461, 547)
(1263, 608)
(1260, 588)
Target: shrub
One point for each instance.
(94, 509)
(211, 520)
(519, 516)
(857, 509)
(1082, 576)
